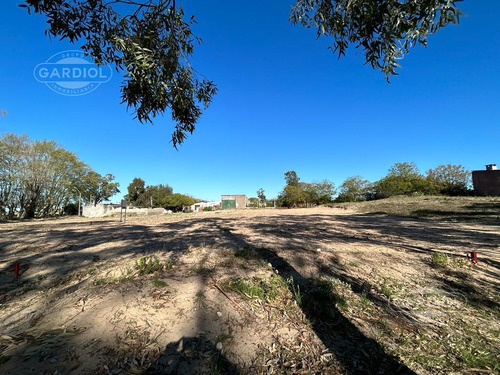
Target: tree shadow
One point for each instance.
(192, 356)
(287, 242)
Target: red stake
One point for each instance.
(473, 257)
(16, 269)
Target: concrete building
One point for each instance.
(487, 182)
(234, 201)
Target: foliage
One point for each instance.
(99, 188)
(291, 178)
(176, 202)
(253, 202)
(439, 259)
(384, 29)
(40, 178)
(157, 194)
(148, 264)
(402, 179)
(261, 288)
(320, 192)
(262, 197)
(135, 189)
(450, 179)
(151, 42)
(297, 193)
(354, 189)
(149, 196)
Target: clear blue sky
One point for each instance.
(284, 102)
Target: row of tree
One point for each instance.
(40, 178)
(406, 179)
(402, 179)
(297, 193)
(140, 195)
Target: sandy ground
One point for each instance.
(78, 307)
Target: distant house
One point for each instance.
(487, 182)
(199, 206)
(234, 201)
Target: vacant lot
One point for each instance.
(353, 289)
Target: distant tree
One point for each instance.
(262, 197)
(319, 192)
(38, 178)
(253, 202)
(406, 170)
(354, 189)
(402, 179)
(293, 192)
(100, 188)
(157, 194)
(292, 195)
(384, 30)
(176, 202)
(450, 179)
(291, 178)
(296, 193)
(135, 189)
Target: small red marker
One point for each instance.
(473, 257)
(16, 269)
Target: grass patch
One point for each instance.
(387, 290)
(473, 209)
(439, 259)
(261, 288)
(159, 283)
(442, 260)
(147, 265)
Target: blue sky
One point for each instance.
(285, 102)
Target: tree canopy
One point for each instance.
(384, 29)
(450, 179)
(148, 39)
(354, 189)
(151, 41)
(296, 193)
(40, 178)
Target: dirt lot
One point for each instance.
(325, 290)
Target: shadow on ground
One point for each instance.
(283, 241)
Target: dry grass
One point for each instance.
(472, 209)
(249, 291)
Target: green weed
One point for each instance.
(148, 264)
(440, 259)
(261, 288)
(159, 283)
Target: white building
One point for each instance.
(199, 206)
